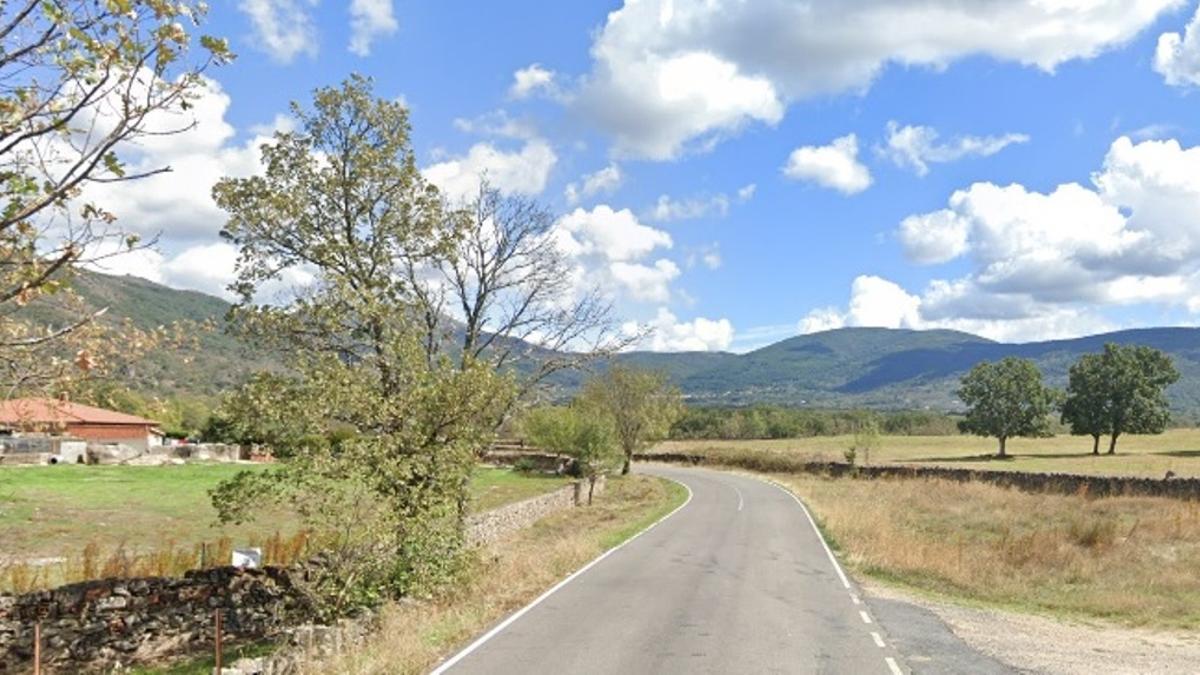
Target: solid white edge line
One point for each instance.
(741, 502)
(893, 666)
(479, 642)
(828, 551)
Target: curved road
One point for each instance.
(736, 581)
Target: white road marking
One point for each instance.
(893, 666)
(741, 502)
(854, 598)
(828, 551)
(865, 617)
(878, 640)
(449, 663)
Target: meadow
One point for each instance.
(66, 523)
(1132, 560)
(1177, 450)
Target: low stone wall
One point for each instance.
(487, 527)
(106, 624)
(1055, 483)
(101, 625)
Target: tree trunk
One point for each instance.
(628, 459)
(591, 488)
(1112, 445)
(1002, 454)
(1095, 444)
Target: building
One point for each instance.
(63, 418)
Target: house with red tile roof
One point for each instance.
(64, 418)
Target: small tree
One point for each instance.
(583, 435)
(1121, 390)
(1085, 408)
(866, 439)
(641, 404)
(1006, 399)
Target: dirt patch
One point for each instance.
(1041, 644)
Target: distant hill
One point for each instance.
(871, 367)
(886, 368)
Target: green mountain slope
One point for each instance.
(876, 367)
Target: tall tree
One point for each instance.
(642, 405)
(1006, 399)
(340, 203)
(1085, 407)
(505, 293)
(81, 83)
(1121, 390)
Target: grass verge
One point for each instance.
(503, 578)
(1131, 560)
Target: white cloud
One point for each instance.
(833, 166)
(1177, 57)
(673, 75)
(916, 147)
(646, 283)
(284, 29)
(708, 255)
(669, 334)
(521, 172)
(530, 80)
(613, 235)
(370, 20)
(668, 208)
(1047, 264)
(746, 192)
(605, 180)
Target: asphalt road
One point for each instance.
(736, 581)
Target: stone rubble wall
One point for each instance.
(1054, 483)
(108, 624)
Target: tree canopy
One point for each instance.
(642, 404)
(1120, 390)
(1006, 399)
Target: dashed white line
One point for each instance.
(854, 598)
(878, 640)
(741, 502)
(447, 664)
(865, 617)
(893, 666)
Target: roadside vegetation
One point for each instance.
(1133, 560)
(64, 524)
(413, 636)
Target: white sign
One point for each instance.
(247, 557)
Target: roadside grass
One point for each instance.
(1130, 560)
(1177, 450)
(413, 636)
(61, 524)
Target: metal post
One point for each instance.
(217, 625)
(37, 648)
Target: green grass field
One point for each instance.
(51, 511)
(1177, 450)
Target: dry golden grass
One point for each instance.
(1177, 450)
(414, 635)
(1134, 560)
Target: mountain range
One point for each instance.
(848, 367)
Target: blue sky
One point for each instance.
(759, 169)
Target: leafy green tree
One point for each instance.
(865, 439)
(81, 84)
(589, 438)
(1120, 390)
(642, 405)
(379, 438)
(1006, 399)
(1085, 408)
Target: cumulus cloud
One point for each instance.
(834, 166)
(1046, 264)
(523, 171)
(530, 80)
(674, 75)
(669, 334)
(1177, 57)
(916, 147)
(369, 21)
(283, 29)
(604, 181)
(669, 208)
(646, 283)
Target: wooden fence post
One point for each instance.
(37, 648)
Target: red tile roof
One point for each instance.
(39, 411)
